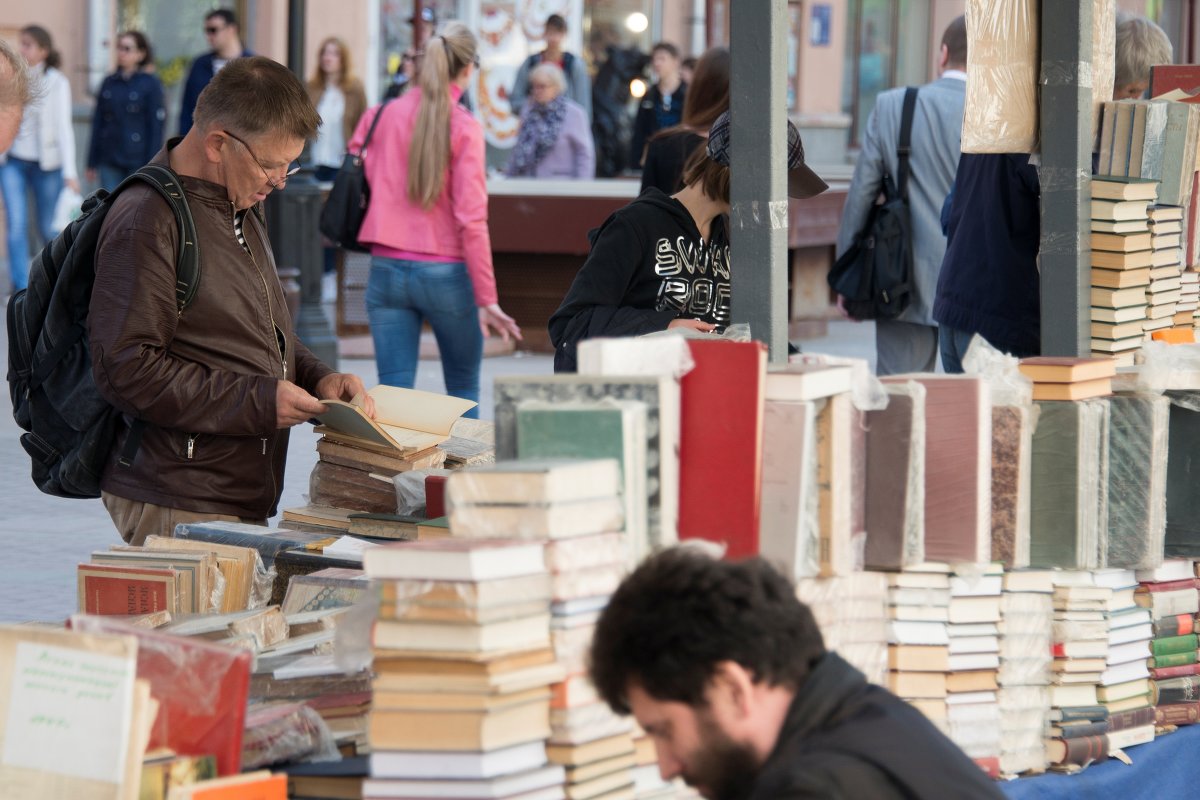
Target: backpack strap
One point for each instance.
(371, 130)
(904, 146)
(187, 258)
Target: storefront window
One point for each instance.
(176, 33)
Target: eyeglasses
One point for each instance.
(274, 185)
(213, 30)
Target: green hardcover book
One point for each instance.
(594, 429)
(1173, 660)
(1173, 644)
(1068, 505)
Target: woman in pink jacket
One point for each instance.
(431, 254)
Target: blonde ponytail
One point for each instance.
(429, 154)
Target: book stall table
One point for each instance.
(1164, 764)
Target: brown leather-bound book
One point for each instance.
(1082, 750)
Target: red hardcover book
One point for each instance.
(1177, 714)
(435, 496)
(113, 589)
(1168, 586)
(1162, 673)
(202, 689)
(720, 444)
(1169, 77)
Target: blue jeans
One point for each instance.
(17, 177)
(110, 176)
(401, 295)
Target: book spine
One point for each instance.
(1088, 713)
(1172, 660)
(1178, 625)
(1175, 690)
(1133, 718)
(1169, 586)
(1177, 714)
(1090, 729)
(1173, 644)
(122, 596)
(1085, 750)
(1175, 672)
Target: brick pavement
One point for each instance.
(42, 538)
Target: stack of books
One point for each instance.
(1026, 618)
(463, 670)
(593, 744)
(1170, 595)
(1125, 682)
(1065, 378)
(1078, 723)
(1123, 259)
(573, 509)
(918, 644)
(1167, 271)
(852, 613)
(1189, 299)
(974, 647)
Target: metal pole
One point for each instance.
(759, 215)
(295, 47)
(1066, 134)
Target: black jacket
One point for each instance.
(648, 266)
(127, 128)
(654, 115)
(846, 739)
(665, 159)
(989, 283)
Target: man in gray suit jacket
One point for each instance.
(909, 343)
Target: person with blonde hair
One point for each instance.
(1140, 45)
(427, 224)
(340, 100)
(15, 93)
(41, 159)
(555, 140)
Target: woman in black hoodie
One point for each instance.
(663, 261)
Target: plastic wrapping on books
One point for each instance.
(1003, 67)
(666, 353)
(410, 490)
(352, 650)
(1013, 421)
(1139, 432)
(1165, 367)
(866, 390)
(286, 733)
(201, 688)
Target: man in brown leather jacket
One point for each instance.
(727, 672)
(218, 385)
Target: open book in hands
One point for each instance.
(406, 420)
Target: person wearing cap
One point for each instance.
(663, 260)
(221, 30)
(909, 343)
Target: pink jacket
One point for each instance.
(456, 226)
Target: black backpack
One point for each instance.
(71, 428)
(875, 275)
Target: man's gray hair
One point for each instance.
(15, 88)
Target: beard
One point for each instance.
(722, 769)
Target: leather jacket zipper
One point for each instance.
(191, 445)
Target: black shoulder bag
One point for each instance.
(346, 207)
(875, 274)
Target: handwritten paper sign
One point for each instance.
(70, 712)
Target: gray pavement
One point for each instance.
(43, 538)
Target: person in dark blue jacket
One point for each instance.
(127, 128)
(221, 30)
